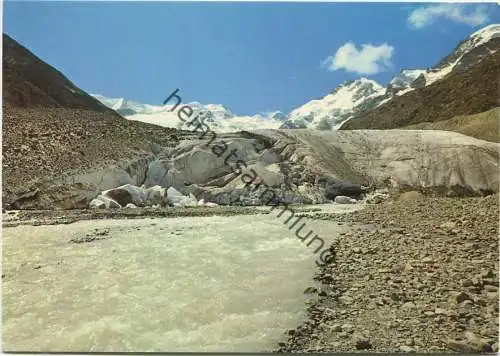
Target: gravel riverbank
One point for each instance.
(424, 280)
(54, 217)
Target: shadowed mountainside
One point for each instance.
(51, 128)
(30, 82)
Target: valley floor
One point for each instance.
(425, 280)
(129, 280)
(417, 274)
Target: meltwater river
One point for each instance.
(174, 284)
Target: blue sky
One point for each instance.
(250, 57)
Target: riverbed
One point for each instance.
(219, 283)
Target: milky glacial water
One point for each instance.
(173, 284)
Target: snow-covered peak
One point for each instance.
(405, 78)
(484, 35)
(219, 119)
(330, 111)
(277, 115)
(126, 107)
(467, 53)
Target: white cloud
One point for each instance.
(470, 15)
(369, 60)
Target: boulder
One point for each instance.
(126, 194)
(156, 195)
(131, 206)
(176, 198)
(121, 196)
(202, 202)
(103, 202)
(97, 204)
(189, 201)
(377, 198)
(342, 199)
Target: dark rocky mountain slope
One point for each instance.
(29, 82)
(51, 128)
(466, 92)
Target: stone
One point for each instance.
(341, 199)
(494, 347)
(127, 193)
(490, 288)
(440, 311)
(492, 296)
(349, 328)
(377, 198)
(97, 204)
(336, 327)
(488, 274)
(408, 305)
(477, 342)
(156, 195)
(343, 335)
(490, 282)
(131, 206)
(462, 296)
(188, 201)
(361, 342)
(468, 346)
(102, 202)
(448, 225)
(460, 346)
(405, 348)
(176, 198)
(467, 283)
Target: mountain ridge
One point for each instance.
(472, 91)
(348, 101)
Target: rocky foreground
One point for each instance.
(425, 279)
